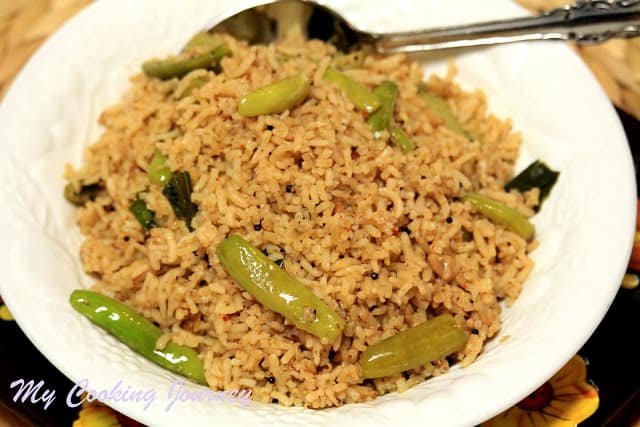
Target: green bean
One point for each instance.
(178, 191)
(361, 97)
(387, 92)
(276, 97)
(194, 84)
(80, 198)
(351, 60)
(204, 39)
(137, 333)
(441, 109)
(144, 215)
(502, 214)
(170, 68)
(416, 346)
(159, 172)
(274, 288)
(536, 175)
(401, 139)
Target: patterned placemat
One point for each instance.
(616, 63)
(24, 25)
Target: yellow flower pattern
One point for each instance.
(5, 314)
(96, 415)
(564, 401)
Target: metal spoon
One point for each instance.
(587, 21)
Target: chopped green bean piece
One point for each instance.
(501, 214)
(178, 191)
(204, 39)
(80, 198)
(194, 84)
(414, 347)
(274, 288)
(144, 215)
(276, 97)
(137, 333)
(387, 92)
(441, 109)
(170, 68)
(536, 175)
(361, 97)
(401, 139)
(351, 60)
(159, 172)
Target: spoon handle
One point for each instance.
(586, 21)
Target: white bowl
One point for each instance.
(585, 229)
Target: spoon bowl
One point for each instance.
(276, 18)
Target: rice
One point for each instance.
(333, 201)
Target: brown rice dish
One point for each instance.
(381, 235)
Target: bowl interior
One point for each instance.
(50, 115)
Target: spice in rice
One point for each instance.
(359, 204)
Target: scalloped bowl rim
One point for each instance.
(578, 243)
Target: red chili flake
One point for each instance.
(395, 231)
(538, 399)
(225, 317)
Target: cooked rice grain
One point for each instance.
(331, 200)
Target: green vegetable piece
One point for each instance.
(361, 97)
(203, 39)
(502, 214)
(178, 191)
(276, 97)
(159, 172)
(144, 216)
(401, 139)
(80, 198)
(386, 92)
(170, 68)
(274, 288)
(137, 333)
(194, 84)
(409, 349)
(536, 175)
(441, 109)
(351, 60)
